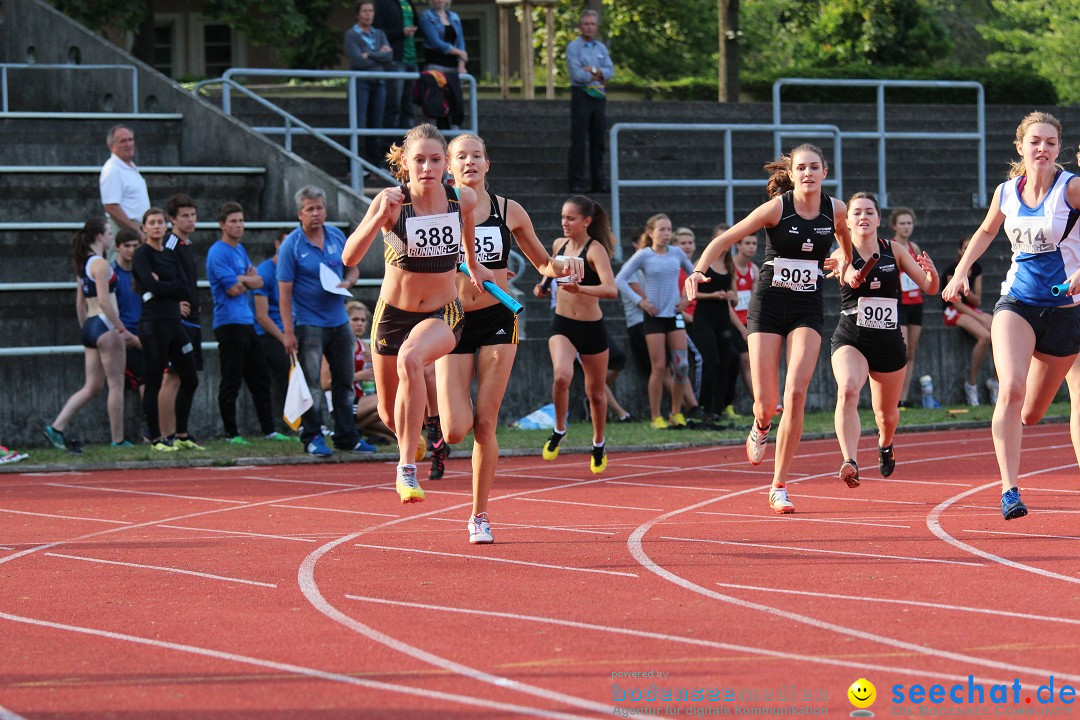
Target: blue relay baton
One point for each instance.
(1060, 289)
(497, 292)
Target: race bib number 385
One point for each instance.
(489, 245)
(433, 235)
(877, 313)
(797, 275)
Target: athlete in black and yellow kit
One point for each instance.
(488, 345)
(868, 342)
(418, 318)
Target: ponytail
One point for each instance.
(81, 241)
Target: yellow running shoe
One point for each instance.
(598, 459)
(407, 486)
(551, 447)
(187, 443)
(659, 423)
(730, 414)
(163, 445)
(677, 420)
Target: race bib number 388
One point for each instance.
(877, 313)
(797, 275)
(433, 235)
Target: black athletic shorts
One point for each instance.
(659, 325)
(390, 326)
(910, 314)
(588, 336)
(616, 357)
(884, 350)
(494, 325)
(135, 368)
(1057, 329)
(779, 311)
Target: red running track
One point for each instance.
(310, 592)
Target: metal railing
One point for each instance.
(881, 134)
(354, 131)
(59, 66)
(727, 182)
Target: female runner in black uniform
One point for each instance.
(418, 318)
(577, 330)
(800, 222)
(868, 341)
(489, 342)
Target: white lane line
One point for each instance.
(867, 500)
(293, 669)
(6, 714)
(337, 510)
(672, 487)
(914, 603)
(502, 525)
(587, 504)
(66, 473)
(146, 492)
(634, 543)
(499, 560)
(1056, 491)
(5, 547)
(748, 649)
(64, 517)
(874, 480)
(933, 522)
(208, 576)
(793, 548)
(766, 518)
(442, 492)
(316, 482)
(237, 532)
(1027, 535)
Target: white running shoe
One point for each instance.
(971, 392)
(778, 500)
(755, 444)
(992, 386)
(480, 530)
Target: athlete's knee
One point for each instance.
(888, 418)
(680, 365)
(455, 427)
(562, 378)
(484, 428)
(410, 365)
(848, 393)
(386, 414)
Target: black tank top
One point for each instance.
(591, 277)
(883, 281)
(494, 241)
(797, 238)
(713, 308)
(434, 249)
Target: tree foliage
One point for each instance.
(99, 14)
(1039, 36)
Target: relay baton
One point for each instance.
(861, 277)
(546, 284)
(497, 292)
(1060, 289)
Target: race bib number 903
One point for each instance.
(877, 313)
(797, 275)
(433, 235)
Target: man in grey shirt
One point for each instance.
(590, 69)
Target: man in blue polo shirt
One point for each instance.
(232, 277)
(321, 324)
(271, 332)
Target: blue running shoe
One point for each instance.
(363, 447)
(317, 447)
(1012, 506)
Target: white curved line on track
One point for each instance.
(823, 551)
(178, 571)
(305, 578)
(65, 517)
(934, 524)
(287, 667)
(485, 558)
(634, 543)
(747, 649)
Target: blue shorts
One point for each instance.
(93, 329)
(1057, 329)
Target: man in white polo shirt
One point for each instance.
(123, 190)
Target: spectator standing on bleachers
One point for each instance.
(232, 277)
(165, 292)
(368, 49)
(309, 254)
(183, 216)
(129, 304)
(902, 222)
(270, 331)
(590, 68)
(398, 19)
(123, 189)
(444, 38)
(102, 334)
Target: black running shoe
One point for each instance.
(886, 461)
(438, 460)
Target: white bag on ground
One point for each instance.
(298, 397)
(539, 419)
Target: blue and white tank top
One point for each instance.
(1045, 242)
(89, 286)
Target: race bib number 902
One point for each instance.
(877, 313)
(433, 235)
(797, 275)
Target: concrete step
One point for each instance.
(77, 140)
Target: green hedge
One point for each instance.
(1003, 86)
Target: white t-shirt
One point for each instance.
(121, 184)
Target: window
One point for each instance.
(217, 49)
(164, 45)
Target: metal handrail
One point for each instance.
(882, 135)
(201, 225)
(727, 181)
(60, 66)
(354, 131)
(71, 285)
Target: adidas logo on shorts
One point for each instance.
(501, 332)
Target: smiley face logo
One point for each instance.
(862, 693)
